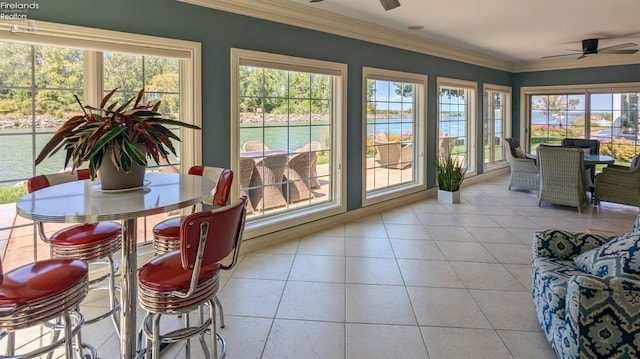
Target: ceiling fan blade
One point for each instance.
(389, 4)
(550, 56)
(618, 52)
(616, 47)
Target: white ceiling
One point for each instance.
(518, 31)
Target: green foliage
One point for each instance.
(132, 134)
(622, 149)
(12, 194)
(450, 173)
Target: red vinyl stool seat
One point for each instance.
(94, 243)
(179, 282)
(39, 292)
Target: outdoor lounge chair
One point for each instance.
(298, 173)
(392, 154)
(314, 147)
(251, 146)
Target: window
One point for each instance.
(287, 138)
(496, 123)
(41, 73)
(457, 120)
(608, 113)
(394, 108)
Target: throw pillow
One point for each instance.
(617, 258)
(520, 152)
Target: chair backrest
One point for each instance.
(310, 146)
(592, 145)
(561, 167)
(251, 146)
(224, 178)
(44, 181)
(207, 237)
(512, 143)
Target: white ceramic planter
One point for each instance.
(448, 197)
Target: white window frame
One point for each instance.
(294, 217)
(580, 89)
(506, 125)
(471, 123)
(189, 53)
(419, 129)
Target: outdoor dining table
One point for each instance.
(86, 202)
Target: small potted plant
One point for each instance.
(449, 175)
(113, 138)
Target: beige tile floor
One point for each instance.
(425, 280)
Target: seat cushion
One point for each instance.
(550, 279)
(617, 258)
(168, 229)
(86, 234)
(36, 282)
(165, 273)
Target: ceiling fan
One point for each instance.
(590, 47)
(386, 4)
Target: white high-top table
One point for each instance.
(85, 202)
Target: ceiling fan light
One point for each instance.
(389, 4)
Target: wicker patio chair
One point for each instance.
(524, 172)
(268, 182)
(298, 173)
(314, 147)
(247, 172)
(618, 184)
(251, 146)
(561, 176)
(392, 154)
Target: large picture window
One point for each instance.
(607, 113)
(287, 137)
(38, 85)
(393, 161)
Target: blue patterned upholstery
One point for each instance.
(617, 258)
(585, 315)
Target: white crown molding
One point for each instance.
(571, 63)
(291, 13)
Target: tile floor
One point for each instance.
(425, 280)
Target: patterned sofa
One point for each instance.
(586, 290)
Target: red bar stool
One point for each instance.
(89, 242)
(40, 292)
(179, 282)
(166, 234)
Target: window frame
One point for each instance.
(470, 123)
(506, 123)
(290, 218)
(419, 129)
(580, 89)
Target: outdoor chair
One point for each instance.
(524, 172)
(179, 282)
(298, 174)
(314, 147)
(592, 145)
(562, 176)
(252, 146)
(619, 184)
(266, 190)
(247, 173)
(38, 293)
(94, 243)
(392, 154)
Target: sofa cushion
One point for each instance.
(520, 152)
(617, 258)
(550, 277)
